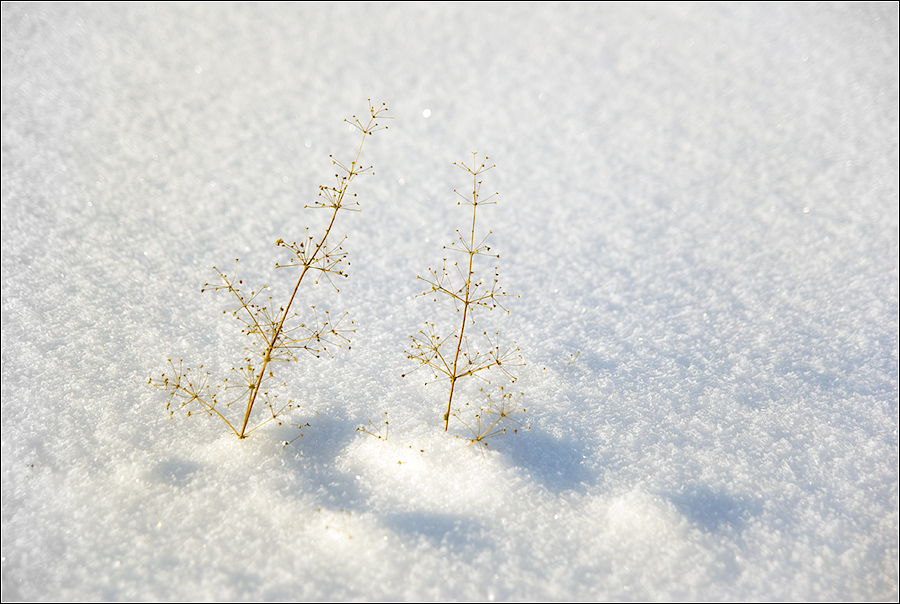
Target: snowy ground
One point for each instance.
(698, 208)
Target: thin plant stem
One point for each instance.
(466, 302)
(273, 342)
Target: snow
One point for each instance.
(698, 210)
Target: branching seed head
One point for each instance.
(276, 333)
(453, 356)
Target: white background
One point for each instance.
(698, 210)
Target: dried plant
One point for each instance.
(375, 430)
(494, 417)
(276, 332)
(453, 356)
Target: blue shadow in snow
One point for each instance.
(175, 472)
(457, 533)
(558, 465)
(313, 456)
(715, 511)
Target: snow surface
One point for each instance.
(698, 208)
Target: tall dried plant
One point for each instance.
(454, 356)
(276, 333)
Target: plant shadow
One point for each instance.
(456, 533)
(313, 455)
(175, 472)
(715, 511)
(557, 464)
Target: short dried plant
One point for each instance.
(451, 356)
(276, 333)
